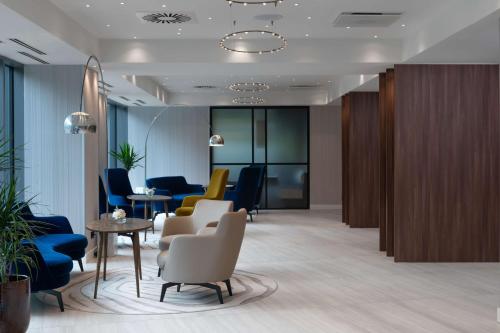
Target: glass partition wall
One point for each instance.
(277, 137)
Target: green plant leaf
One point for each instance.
(127, 156)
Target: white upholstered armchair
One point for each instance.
(205, 258)
(206, 214)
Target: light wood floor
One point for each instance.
(331, 279)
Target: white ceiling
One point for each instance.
(335, 60)
(124, 24)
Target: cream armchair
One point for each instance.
(206, 214)
(206, 258)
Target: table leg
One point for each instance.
(165, 207)
(137, 254)
(146, 218)
(99, 256)
(105, 254)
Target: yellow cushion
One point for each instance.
(217, 186)
(184, 211)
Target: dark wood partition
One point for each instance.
(363, 159)
(383, 157)
(389, 135)
(447, 163)
(345, 158)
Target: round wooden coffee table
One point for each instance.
(107, 226)
(149, 198)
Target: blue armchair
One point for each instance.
(245, 193)
(176, 187)
(56, 232)
(260, 190)
(54, 248)
(118, 189)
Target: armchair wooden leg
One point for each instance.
(165, 287)
(59, 297)
(229, 289)
(80, 263)
(216, 288)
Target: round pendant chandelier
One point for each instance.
(254, 2)
(249, 87)
(248, 100)
(239, 35)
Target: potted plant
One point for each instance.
(15, 234)
(127, 156)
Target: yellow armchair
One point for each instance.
(215, 191)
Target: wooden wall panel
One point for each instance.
(447, 163)
(345, 158)
(389, 137)
(383, 157)
(364, 160)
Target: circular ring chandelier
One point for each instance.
(254, 2)
(249, 87)
(238, 34)
(248, 100)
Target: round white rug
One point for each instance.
(117, 295)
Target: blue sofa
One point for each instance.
(54, 247)
(176, 187)
(118, 187)
(245, 193)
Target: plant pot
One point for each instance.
(15, 304)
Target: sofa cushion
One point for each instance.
(64, 243)
(58, 263)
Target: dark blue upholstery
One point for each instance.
(243, 196)
(118, 189)
(176, 187)
(54, 248)
(52, 270)
(260, 189)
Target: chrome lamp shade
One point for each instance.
(216, 141)
(79, 123)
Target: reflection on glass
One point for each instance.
(259, 128)
(287, 186)
(235, 126)
(234, 172)
(287, 135)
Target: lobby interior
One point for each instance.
(250, 166)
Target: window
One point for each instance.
(117, 130)
(276, 137)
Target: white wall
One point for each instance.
(326, 155)
(178, 143)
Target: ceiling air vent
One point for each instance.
(304, 86)
(366, 19)
(141, 101)
(137, 104)
(33, 57)
(125, 98)
(205, 87)
(29, 47)
(167, 17)
(106, 84)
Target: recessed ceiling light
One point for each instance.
(180, 29)
(403, 25)
(210, 18)
(309, 17)
(108, 25)
(348, 27)
(376, 36)
(178, 34)
(87, 5)
(135, 37)
(122, 3)
(307, 35)
(295, 4)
